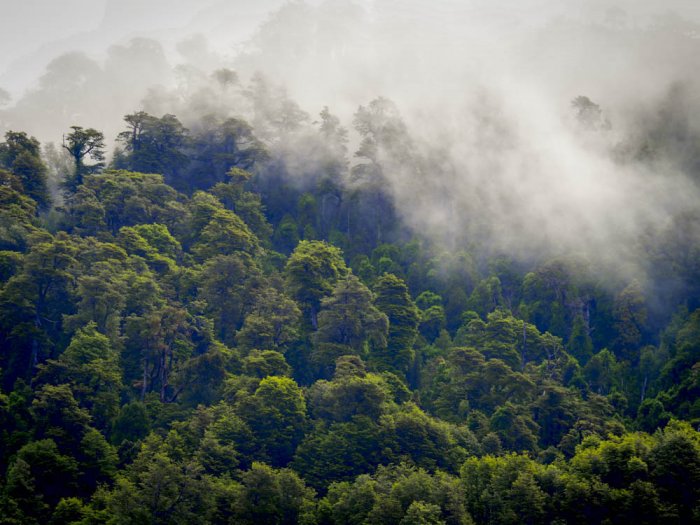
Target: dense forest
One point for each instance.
(232, 321)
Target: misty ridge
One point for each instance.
(533, 129)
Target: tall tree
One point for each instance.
(222, 145)
(311, 272)
(154, 145)
(630, 314)
(82, 144)
(384, 136)
(276, 414)
(229, 285)
(393, 299)
(273, 323)
(348, 321)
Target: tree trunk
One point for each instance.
(144, 383)
(162, 377)
(34, 358)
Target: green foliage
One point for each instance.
(228, 283)
(245, 204)
(276, 415)
(16, 214)
(347, 323)
(131, 424)
(602, 372)
(222, 146)
(311, 273)
(225, 234)
(630, 314)
(39, 478)
(21, 155)
(392, 298)
(158, 488)
(505, 337)
(273, 496)
(273, 322)
(153, 145)
(400, 495)
(91, 367)
(160, 363)
(339, 451)
(352, 392)
(81, 144)
(114, 199)
(265, 363)
(486, 297)
(287, 234)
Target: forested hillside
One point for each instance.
(232, 321)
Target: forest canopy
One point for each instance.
(229, 349)
(222, 308)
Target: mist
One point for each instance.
(489, 152)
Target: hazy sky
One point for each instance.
(38, 29)
(32, 32)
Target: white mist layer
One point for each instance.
(484, 88)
